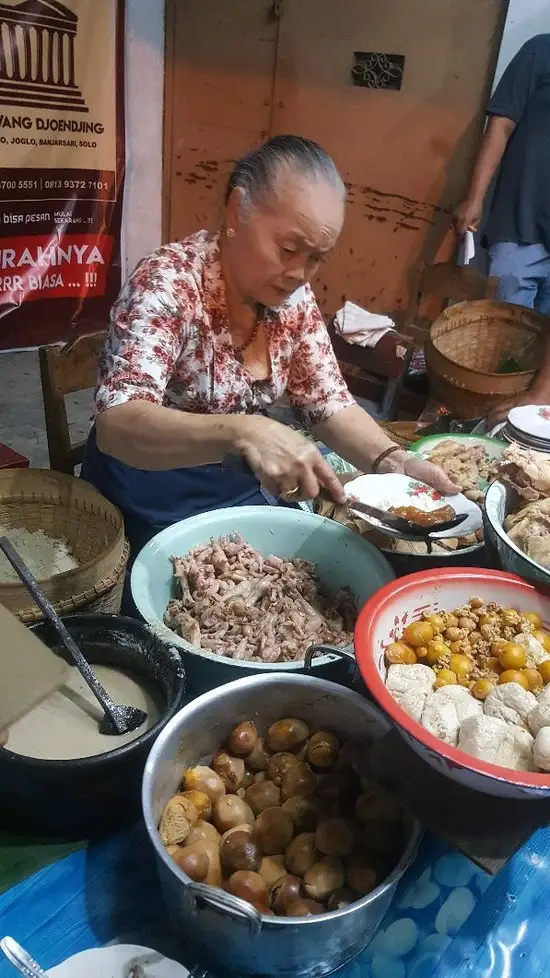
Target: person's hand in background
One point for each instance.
(467, 217)
(500, 412)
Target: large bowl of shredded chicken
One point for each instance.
(517, 514)
(252, 588)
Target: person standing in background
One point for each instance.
(517, 232)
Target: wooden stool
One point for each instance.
(378, 373)
(65, 370)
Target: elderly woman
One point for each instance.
(208, 333)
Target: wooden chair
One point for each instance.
(379, 373)
(444, 282)
(65, 370)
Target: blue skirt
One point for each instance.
(151, 501)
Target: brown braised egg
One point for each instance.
(285, 817)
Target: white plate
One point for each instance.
(532, 419)
(386, 491)
(119, 961)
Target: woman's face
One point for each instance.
(279, 244)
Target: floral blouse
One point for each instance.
(169, 343)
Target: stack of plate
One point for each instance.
(529, 427)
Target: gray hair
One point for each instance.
(256, 174)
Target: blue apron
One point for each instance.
(151, 501)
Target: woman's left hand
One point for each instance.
(412, 465)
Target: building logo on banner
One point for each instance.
(37, 56)
(61, 166)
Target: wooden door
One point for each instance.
(240, 70)
(405, 154)
(220, 58)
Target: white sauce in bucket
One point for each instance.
(65, 725)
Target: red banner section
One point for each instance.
(39, 267)
(61, 167)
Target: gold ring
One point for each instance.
(291, 492)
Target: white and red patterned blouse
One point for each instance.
(169, 343)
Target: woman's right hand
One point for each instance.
(286, 463)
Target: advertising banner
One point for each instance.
(61, 167)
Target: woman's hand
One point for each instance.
(500, 412)
(412, 465)
(286, 464)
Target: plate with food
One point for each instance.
(402, 496)
(469, 460)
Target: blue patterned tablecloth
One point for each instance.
(449, 920)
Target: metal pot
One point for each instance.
(411, 563)
(77, 797)
(230, 932)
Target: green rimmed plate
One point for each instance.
(492, 446)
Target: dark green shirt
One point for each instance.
(521, 205)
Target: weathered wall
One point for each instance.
(144, 88)
(239, 74)
(525, 18)
(144, 115)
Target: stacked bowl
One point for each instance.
(528, 427)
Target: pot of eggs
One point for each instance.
(277, 852)
(58, 773)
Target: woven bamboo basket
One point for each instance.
(69, 509)
(467, 345)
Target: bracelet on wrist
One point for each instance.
(384, 455)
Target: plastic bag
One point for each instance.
(450, 919)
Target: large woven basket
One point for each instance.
(467, 345)
(69, 509)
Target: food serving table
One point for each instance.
(450, 919)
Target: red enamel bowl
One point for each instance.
(383, 619)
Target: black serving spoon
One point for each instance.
(117, 719)
(407, 529)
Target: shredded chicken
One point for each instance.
(236, 603)
(529, 529)
(527, 471)
(467, 466)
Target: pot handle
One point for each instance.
(328, 650)
(226, 902)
